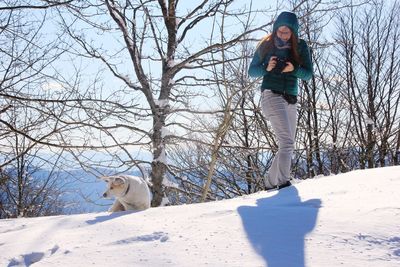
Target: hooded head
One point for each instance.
(288, 19)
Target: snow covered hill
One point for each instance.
(351, 220)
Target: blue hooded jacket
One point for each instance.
(286, 83)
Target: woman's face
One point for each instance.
(284, 33)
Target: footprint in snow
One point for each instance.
(31, 258)
(156, 236)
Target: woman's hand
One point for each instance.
(271, 63)
(289, 67)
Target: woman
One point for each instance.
(281, 58)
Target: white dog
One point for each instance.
(130, 192)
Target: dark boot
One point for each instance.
(288, 183)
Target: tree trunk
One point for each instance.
(159, 164)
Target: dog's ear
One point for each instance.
(118, 181)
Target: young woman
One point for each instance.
(281, 59)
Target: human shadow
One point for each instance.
(277, 227)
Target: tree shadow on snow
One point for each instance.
(277, 226)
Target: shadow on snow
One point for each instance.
(110, 216)
(277, 226)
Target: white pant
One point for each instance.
(283, 118)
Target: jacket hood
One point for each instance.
(288, 19)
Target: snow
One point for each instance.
(161, 103)
(165, 132)
(351, 219)
(52, 86)
(369, 121)
(171, 184)
(171, 63)
(162, 157)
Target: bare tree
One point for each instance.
(28, 191)
(370, 59)
(13, 5)
(33, 106)
(170, 84)
(158, 40)
(25, 80)
(243, 156)
(30, 186)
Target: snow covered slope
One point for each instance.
(351, 219)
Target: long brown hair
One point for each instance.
(267, 44)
